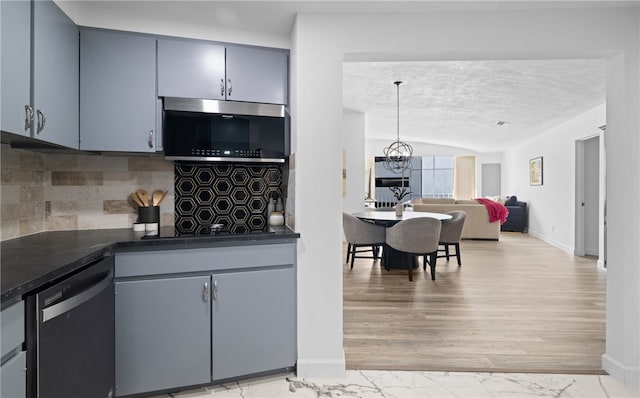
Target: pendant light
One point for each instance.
(397, 156)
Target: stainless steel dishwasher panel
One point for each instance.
(71, 344)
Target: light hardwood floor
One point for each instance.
(517, 305)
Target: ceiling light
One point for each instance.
(502, 123)
(397, 156)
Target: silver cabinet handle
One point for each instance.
(229, 87)
(222, 87)
(41, 121)
(150, 138)
(215, 290)
(28, 119)
(205, 292)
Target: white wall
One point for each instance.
(551, 205)
(353, 123)
(322, 42)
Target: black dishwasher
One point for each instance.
(70, 336)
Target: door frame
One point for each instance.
(580, 181)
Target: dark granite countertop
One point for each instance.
(31, 262)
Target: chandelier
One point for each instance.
(397, 156)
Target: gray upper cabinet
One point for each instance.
(55, 75)
(117, 91)
(16, 60)
(256, 75)
(190, 69)
(194, 69)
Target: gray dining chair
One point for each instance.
(450, 235)
(417, 236)
(362, 237)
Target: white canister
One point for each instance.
(276, 218)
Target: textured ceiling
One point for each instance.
(460, 103)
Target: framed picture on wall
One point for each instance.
(535, 171)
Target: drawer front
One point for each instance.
(161, 262)
(12, 320)
(13, 377)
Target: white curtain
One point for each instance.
(464, 177)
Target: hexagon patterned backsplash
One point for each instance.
(235, 195)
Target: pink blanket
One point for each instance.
(495, 209)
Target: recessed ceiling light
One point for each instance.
(502, 123)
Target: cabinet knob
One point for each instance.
(150, 138)
(222, 87)
(215, 290)
(229, 87)
(28, 120)
(42, 121)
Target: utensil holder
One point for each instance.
(149, 214)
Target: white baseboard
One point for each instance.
(559, 245)
(315, 367)
(625, 374)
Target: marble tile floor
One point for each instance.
(392, 384)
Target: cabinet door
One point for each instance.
(190, 69)
(13, 377)
(117, 91)
(16, 61)
(163, 331)
(257, 75)
(55, 74)
(253, 322)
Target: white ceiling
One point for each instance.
(454, 103)
(459, 103)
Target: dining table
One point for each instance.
(391, 257)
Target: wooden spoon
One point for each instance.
(136, 199)
(157, 196)
(143, 196)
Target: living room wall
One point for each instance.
(551, 206)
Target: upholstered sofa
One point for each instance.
(476, 225)
(517, 219)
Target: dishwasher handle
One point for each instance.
(79, 299)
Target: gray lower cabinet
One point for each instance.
(163, 329)
(117, 91)
(194, 316)
(13, 376)
(253, 322)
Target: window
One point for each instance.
(437, 176)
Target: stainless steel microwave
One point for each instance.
(227, 131)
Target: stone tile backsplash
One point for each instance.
(49, 192)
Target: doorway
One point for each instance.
(589, 232)
(491, 177)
